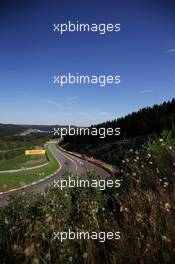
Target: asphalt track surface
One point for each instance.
(69, 164)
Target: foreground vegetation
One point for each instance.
(142, 209)
(17, 179)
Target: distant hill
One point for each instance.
(39, 127)
(10, 130)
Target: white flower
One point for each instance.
(85, 255)
(70, 259)
(165, 184)
(167, 207)
(121, 209)
(166, 239)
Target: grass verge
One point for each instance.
(22, 161)
(14, 180)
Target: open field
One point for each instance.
(22, 161)
(14, 180)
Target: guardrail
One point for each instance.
(98, 163)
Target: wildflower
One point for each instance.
(29, 250)
(134, 174)
(170, 147)
(167, 207)
(166, 239)
(121, 209)
(161, 139)
(70, 259)
(150, 162)
(165, 184)
(85, 255)
(6, 221)
(139, 217)
(149, 155)
(15, 247)
(157, 170)
(35, 261)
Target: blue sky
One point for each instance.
(143, 53)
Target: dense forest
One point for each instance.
(136, 129)
(9, 130)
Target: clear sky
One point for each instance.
(143, 53)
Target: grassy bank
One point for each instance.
(22, 161)
(142, 209)
(18, 179)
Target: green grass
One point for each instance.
(13, 180)
(22, 161)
